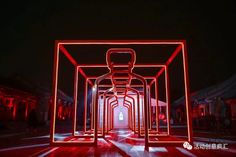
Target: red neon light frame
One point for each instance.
(181, 46)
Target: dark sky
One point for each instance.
(29, 29)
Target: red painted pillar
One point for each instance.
(26, 110)
(14, 111)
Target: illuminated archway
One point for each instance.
(94, 83)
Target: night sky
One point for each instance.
(29, 29)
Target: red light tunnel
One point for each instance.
(122, 97)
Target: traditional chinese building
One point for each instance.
(212, 107)
(18, 97)
(15, 104)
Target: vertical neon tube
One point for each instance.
(167, 99)
(157, 105)
(104, 116)
(75, 100)
(54, 92)
(85, 104)
(187, 92)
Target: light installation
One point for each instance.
(135, 97)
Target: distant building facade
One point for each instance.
(212, 108)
